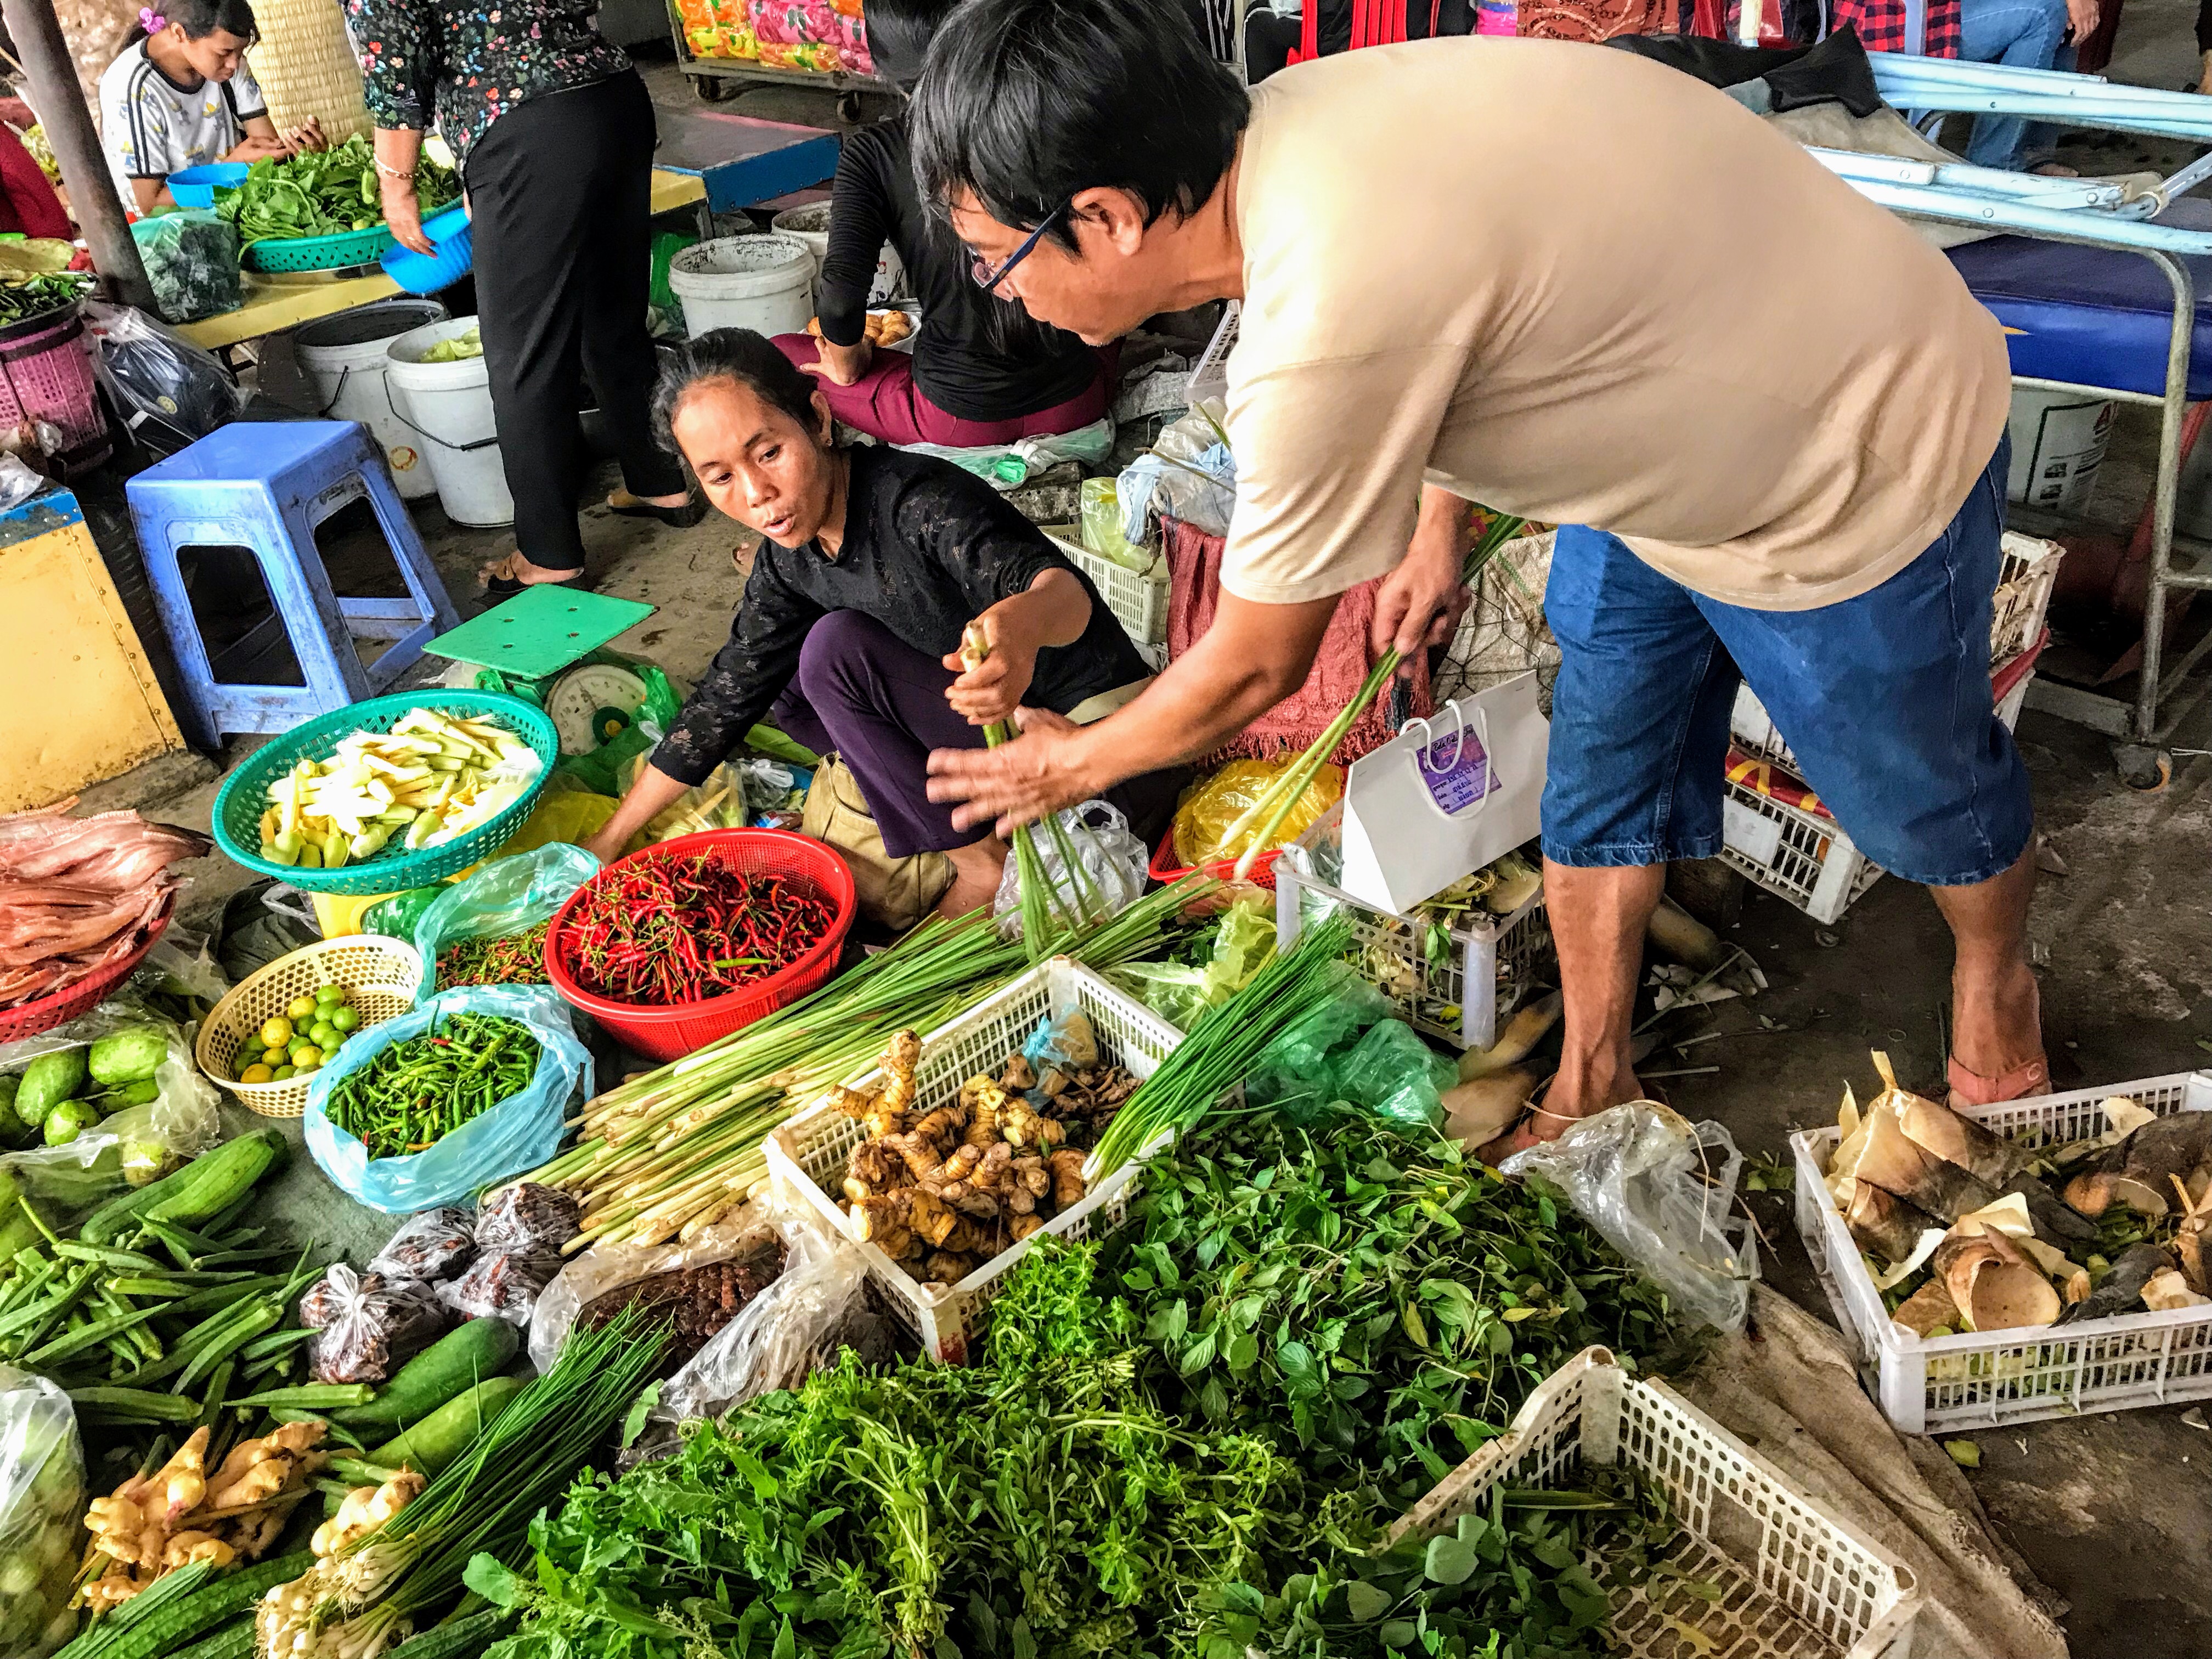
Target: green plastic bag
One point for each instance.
(1396, 1075)
(505, 897)
(1297, 1073)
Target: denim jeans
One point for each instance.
(1884, 699)
(2020, 35)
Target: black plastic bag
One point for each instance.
(169, 392)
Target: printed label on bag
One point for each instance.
(1456, 771)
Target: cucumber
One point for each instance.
(456, 1638)
(203, 1187)
(47, 1081)
(448, 1431)
(455, 1363)
(234, 1641)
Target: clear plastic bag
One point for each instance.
(1180, 992)
(784, 1333)
(1102, 527)
(1395, 1075)
(1660, 1188)
(1211, 811)
(502, 1285)
(507, 895)
(716, 802)
(163, 385)
(526, 1217)
(519, 1133)
(42, 1499)
(191, 257)
(1111, 858)
(369, 1326)
(434, 1245)
(609, 1266)
(131, 1145)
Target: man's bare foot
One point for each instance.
(1579, 1090)
(516, 569)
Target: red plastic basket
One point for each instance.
(28, 1019)
(1163, 867)
(671, 1033)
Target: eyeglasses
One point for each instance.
(988, 277)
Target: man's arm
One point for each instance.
(1419, 604)
(1253, 657)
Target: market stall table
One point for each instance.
(274, 304)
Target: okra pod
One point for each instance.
(140, 1405)
(263, 1314)
(313, 1396)
(124, 1260)
(91, 1336)
(218, 1386)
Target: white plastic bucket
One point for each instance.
(447, 407)
(810, 224)
(2058, 440)
(343, 357)
(761, 283)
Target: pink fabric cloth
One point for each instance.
(1345, 657)
(887, 404)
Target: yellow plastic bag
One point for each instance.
(717, 803)
(1208, 811)
(572, 815)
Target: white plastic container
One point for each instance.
(1983, 1379)
(809, 1152)
(1482, 966)
(2058, 440)
(765, 283)
(343, 358)
(1795, 1582)
(810, 224)
(448, 408)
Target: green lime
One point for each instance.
(344, 1019)
(280, 1073)
(324, 1035)
(301, 1008)
(327, 994)
(298, 1046)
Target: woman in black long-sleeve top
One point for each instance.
(982, 371)
(553, 131)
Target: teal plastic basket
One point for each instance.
(338, 252)
(245, 793)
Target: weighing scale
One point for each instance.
(540, 645)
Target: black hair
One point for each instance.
(202, 18)
(1026, 102)
(899, 33)
(731, 354)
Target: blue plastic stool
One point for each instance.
(264, 487)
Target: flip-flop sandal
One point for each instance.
(2021, 1083)
(676, 518)
(505, 587)
(1650, 1092)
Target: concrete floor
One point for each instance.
(2110, 1511)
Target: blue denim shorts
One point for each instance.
(1884, 699)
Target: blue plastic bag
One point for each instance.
(505, 897)
(519, 1133)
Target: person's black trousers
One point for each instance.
(560, 202)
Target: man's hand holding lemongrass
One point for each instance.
(1041, 771)
(1419, 604)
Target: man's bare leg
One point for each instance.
(1996, 1026)
(1598, 916)
(977, 870)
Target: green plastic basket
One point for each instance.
(245, 793)
(336, 252)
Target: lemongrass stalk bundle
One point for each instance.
(1254, 830)
(1218, 1052)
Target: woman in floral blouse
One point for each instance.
(553, 131)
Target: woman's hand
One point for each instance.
(307, 136)
(607, 846)
(1041, 771)
(840, 365)
(250, 150)
(403, 212)
(993, 689)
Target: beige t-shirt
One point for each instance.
(1578, 286)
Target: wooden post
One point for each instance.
(68, 123)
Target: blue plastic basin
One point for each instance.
(418, 273)
(195, 187)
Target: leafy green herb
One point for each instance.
(323, 193)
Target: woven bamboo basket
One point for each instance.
(383, 975)
(304, 65)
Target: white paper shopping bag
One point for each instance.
(1445, 796)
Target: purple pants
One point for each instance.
(879, 702)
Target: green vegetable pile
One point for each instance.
(65, 1091)
(1056, 1501)
(323, 193)
(24, 297)
(416, 1092)
(1381, 1299)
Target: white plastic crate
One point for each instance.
(1138, 600)
(1486, 967)
(810, 1150)
(1982, 1379)
(1801, 856)
(1795, 1582)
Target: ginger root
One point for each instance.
(1066, 1167)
